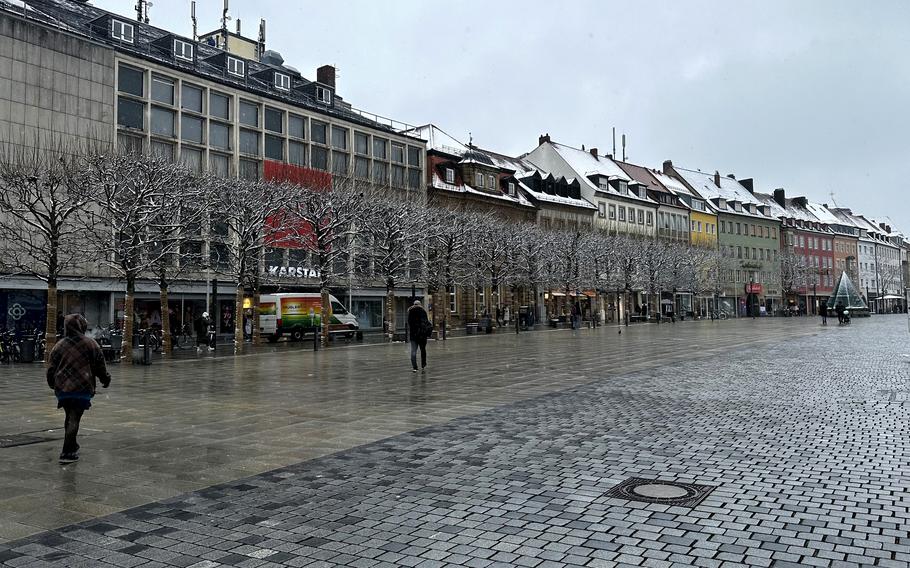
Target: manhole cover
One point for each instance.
(12, 440)
(662, 492)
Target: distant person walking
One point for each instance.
(201, 326)
(839, 310)
(419, 329)
(75, 363)
(823, 308)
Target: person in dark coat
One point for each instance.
(75, 362)
(418, 322)
(201, 326)
(823, 308)
(839, 310)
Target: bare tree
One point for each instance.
(444, 253)
(323, 221)
(794, 271)
(131, 203)
(628, 253)
(531, 244)
(247, 211)
(169, 241)
(393, 229)
(42, 219)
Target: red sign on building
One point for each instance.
(753, 288)
(282, 233)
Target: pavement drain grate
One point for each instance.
(13, 440)
(672, 493)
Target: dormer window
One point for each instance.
(721, 203)
(183, 50)
(623, 188)
(450, 175)
(512, 188)
(478, 179)
(282, 81)
(492, 181)
(236, 67)
(122, 31)
(603, 184)
(324, 95)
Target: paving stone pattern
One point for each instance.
(809, 460)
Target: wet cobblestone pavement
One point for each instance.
(501, 455)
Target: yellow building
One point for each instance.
(703, 230)
(702, 222)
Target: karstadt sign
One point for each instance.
(292, 272)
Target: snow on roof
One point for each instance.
(586, 164)
(517, 199)
(671, 183)
(823, 214)
(542, 196)
(730, 190)
(437, 139)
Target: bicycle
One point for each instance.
(185, 339)
(719, 315)
(10, 351)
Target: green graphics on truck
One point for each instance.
(301, 312)
(297, 314)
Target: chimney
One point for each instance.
(543, 138)
(717, 178)
(326, 75)
(748, 184)
(610, 156)
(594, 152)
(780, 196)
(238, 26)
(731, 176)
(668, 167)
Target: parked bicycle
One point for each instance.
(10, 350)
(719, 315)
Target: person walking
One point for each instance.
(201, 326)
(75, 362)
(418, 326)
(839, 310)
(823, 308)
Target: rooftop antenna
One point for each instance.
(261, 36)
(142, 11)
(470, 140)
(832, 199)
(623, 147)
(193, 18)
(614, 140)
(224, 29)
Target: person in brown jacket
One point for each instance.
(75, 362)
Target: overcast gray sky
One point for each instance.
(809, 96)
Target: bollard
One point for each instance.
(315, 339)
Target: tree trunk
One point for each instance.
(166, 339)
(257, 336)
(514, 313)
(325, 318)
(50, 324)
(238, 319)
(126, 351)
(390, 309)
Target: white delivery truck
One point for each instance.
(295, 314)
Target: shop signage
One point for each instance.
(292, 272)
(753, 288)
(16, 311)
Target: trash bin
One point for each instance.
(27, 350)
(142, 349)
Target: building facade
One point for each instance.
(103, 79)
(748, 234)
